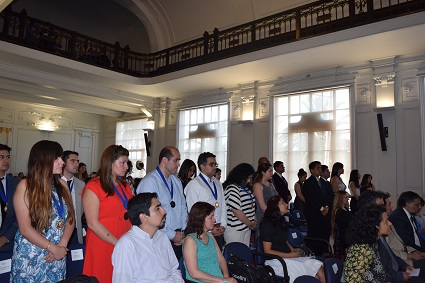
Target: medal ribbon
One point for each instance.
(165, 182)
(123, 197)
(248, 193)
(214, 192)
(4, 195)
(59, 205)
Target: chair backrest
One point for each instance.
(260, 249)
(297, 214)
(306, 279)
(333, 270)
(182, 268)
(295, 237)
(240, 250)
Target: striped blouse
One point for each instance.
(241, 199)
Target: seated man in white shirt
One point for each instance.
(144, 254)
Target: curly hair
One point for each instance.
(239, 175)
(196, 218)
(272, 212)
(365, 224)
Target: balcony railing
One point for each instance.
(303, 22)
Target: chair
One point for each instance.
(5, 260)
(240, 250)
(261, 257)
(296, 239)
(306, 279)
(182, 268)
(298, 215)
(333, 270)
(296, 223)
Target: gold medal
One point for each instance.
(216, 204)
(5, 208)
(60, 225)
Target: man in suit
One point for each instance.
(279, 182)
(8, 222)
(402, 218)
(75, 186)
(316, 207)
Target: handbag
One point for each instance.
(246, 272)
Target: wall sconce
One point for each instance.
(248, 108)
(46, 125)
(384, 91)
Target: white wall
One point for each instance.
(74, 131)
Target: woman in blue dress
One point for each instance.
(45, 215)
(203, 259)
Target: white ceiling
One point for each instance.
(31, 76)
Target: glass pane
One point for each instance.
(294, 107)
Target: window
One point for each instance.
(312, 126)
(130, 134)
(204, 129)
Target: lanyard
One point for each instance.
(4, 194)
(58, 204)
(123, 197)
(171, 191)
(248, 193)
(214, 192)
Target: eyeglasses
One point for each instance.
(212, 164)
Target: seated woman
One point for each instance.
(340, 220)
(274, 236)
(203, 259)
(363, 263)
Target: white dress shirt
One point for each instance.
(177, 215)
(138, 258)
(196, 190)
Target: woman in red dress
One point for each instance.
(105, 201)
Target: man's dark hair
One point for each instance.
(313, 164)
(407, 197)
(277, 164)
(385, 196)
(137, 205)
(5, 147)
(67, 153)
(324, 167)
(202, 159)
(167, 153)
(368, 198)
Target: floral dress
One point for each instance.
(28, 260)
(363, 265)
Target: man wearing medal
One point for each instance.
(75, 186)
(8, 223)
(164, 182)
(208, 189)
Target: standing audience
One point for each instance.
(8, 223)
(208, 189)
(45, 215)
(263, 191)
(354, 186)
(279, 182)
(187, 172)
(336, 181)
(341, 219)
(240, 204)
(105, 200)
(299, 201)
(366, 183)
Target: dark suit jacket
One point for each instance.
(10, 224)
(281, 186)
(404, 229)
(391, 274)
(314, 200)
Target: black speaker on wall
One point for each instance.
(381, 132)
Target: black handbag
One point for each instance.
(246, 272)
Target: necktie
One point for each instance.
(413, 220)
(69, 184)
(1, 185)
(394, 263)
